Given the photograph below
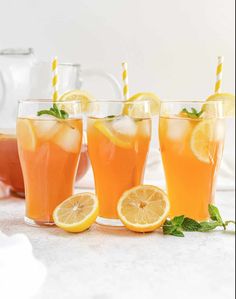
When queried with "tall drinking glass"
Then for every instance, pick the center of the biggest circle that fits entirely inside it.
(49, 150)
(191, 140)
(119, 135)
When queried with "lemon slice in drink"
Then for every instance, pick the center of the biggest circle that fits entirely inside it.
(105, 129)
(76, 95)
(143, 208)
(202, 136)
(26, 135)
(77, 213)
(138, 111)
(229, 102)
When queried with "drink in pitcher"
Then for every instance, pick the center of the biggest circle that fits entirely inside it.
(10, 169)
(118, 145)
(192, 140)
(49, 150)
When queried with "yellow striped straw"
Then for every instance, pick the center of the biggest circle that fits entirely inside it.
(55, 79)
(125, 81)
(219, 74)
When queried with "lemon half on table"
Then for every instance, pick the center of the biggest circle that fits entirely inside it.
(228, 100)
(143, 208)
(77, 213)
(76, 95)
(135, 106)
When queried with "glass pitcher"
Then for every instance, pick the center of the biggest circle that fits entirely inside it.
(19, 73)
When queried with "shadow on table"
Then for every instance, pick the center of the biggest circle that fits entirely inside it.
(11, 227)
(120, 232)
(95, 230)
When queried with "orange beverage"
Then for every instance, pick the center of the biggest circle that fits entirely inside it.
(10, 169)
(118, 148)
(49, 150)
(191, 151)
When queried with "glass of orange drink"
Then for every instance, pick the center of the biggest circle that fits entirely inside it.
(49, 148)
(191, 141)
(119, 135)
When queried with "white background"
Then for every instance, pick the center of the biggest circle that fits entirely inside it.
(171, 45)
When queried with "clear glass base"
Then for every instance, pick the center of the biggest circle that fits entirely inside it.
(36, 223)
(109, 222)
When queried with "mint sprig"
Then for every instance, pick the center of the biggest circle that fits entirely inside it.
(193, 113)
(178, 225)
(54, 111)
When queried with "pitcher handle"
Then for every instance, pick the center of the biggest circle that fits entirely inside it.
(91, 72)
(3, 86)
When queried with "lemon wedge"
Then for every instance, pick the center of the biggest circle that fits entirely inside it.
(229, 102)
(25, 134)
(76, 95)
(143, 208)
(202, 137)
(77, 213)
(138, 110)
(106, 130)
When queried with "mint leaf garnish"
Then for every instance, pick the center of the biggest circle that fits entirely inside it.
(55, 112)
(168, 227)
(190, 225)
(174, 227)
(178, 233)
(178, 221)
(178, 225)
(193, 113)
(215, 213)
(208, 226)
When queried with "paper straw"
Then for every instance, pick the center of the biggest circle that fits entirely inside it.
(219, 74)
(55, 79)
(125, 81)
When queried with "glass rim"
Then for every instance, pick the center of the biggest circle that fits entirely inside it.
(117, 101)
(48, 101)
(69, 64)
(190, 101)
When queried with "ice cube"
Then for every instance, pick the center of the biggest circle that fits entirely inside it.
(178, 128)
(46, 129)
(69, 139)
(125, 126)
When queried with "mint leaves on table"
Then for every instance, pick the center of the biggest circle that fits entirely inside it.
(193, 113)
(54, 111)
(178, 225)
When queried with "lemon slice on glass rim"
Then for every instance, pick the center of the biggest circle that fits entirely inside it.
(75, 95)
(143, 208)
(138, 110)
(228, 100)
(77, 213)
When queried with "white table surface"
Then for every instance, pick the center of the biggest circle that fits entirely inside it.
(112, 264)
